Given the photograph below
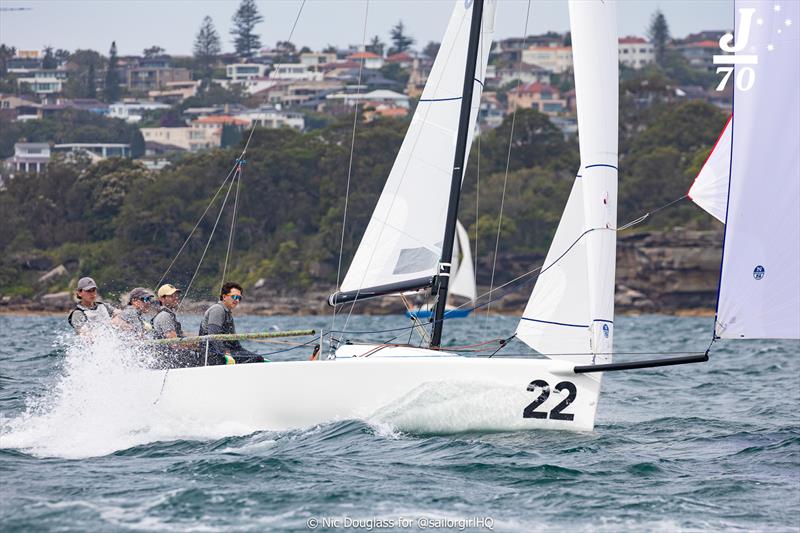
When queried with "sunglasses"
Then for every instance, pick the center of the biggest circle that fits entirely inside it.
(89, 290)
(146, 299)
(236, 297)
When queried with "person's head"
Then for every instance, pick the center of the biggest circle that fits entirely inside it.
(231, 295)
(86, 291)
(140, 298)
(169, 295)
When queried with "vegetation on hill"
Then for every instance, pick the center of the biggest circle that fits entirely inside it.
(123, 225)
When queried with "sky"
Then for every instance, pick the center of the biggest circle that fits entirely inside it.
(173, 24)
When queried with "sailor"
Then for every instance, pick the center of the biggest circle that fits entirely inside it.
(167, 326)
(219, 319)
(131, 318)
(88, 312)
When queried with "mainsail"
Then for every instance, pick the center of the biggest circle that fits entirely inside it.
(571, 310)
(402, 241)
(759, 291)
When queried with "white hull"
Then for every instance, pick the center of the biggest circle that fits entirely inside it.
(410, 389)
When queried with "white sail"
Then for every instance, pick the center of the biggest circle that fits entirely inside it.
(710, 187)
(557, 317)
(583, 321)
(403, 240)
(463, 280)
(759, 294)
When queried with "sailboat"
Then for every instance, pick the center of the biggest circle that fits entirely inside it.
(463, 284)
(408, 246)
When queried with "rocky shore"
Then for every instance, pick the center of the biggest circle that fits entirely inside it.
(674, 272)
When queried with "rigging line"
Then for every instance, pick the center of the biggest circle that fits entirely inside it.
(508, 162)
(404, 172)
(544, 269)
(200, 263)
(295, 21)
(237, 177)
(350, 164)
(649, 213)
(222, 186)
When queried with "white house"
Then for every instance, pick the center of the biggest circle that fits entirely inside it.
(132, 111)
(245, 71)
(382, 96)
(635, 52)
(556, 59)
(44, 81)
(30, 157)
(294, 72)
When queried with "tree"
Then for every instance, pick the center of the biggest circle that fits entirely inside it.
(111, 91)
(659, 35)
(402, 42)
(91, 90)
(153, 51)
(62, 55)
(376, 46)
(431, 49)
(245, 20)
(206, 46)
(6, 53)
(49, 60)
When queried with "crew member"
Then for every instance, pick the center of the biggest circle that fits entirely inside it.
(219, 319)
(88, 313)
(167, 326)
(131, 318)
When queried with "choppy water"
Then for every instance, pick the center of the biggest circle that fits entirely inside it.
(713, 446)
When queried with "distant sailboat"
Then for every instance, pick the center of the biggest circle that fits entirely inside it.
(463, 284)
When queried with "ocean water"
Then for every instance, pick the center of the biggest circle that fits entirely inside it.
(713, 446)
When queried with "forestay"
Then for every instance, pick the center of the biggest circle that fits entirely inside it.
(402, 241)
(710, 187)
(571, 310)
(759, 294)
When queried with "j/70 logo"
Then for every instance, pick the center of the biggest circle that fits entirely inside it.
(745, 76)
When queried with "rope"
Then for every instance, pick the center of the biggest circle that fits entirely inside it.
(237, 177)
(208, 243)
(164, 275)
(508, 163)
(350, 168)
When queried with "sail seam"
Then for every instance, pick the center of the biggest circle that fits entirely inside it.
(440, 99)
(601, 165)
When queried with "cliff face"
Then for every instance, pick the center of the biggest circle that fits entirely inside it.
(657, 272)
(668, 272)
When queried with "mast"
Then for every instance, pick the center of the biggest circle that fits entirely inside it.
(443, 276)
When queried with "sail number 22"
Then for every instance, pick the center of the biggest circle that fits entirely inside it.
(556, 413)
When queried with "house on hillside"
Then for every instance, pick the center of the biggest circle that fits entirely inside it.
(193, 138)
(556, 59)
(153, 78)
(294, 72)
(133, 110)
(16, 108)
(372, 61)
(636, 52)
(94, 151)
(29, 157)
(43, 81)
(544, 98)
(700, 54)
(245, 71)
(175, 92)
(391, 98)
(524, 73)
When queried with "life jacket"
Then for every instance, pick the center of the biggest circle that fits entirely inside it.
(164, 309)
(101, 314)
